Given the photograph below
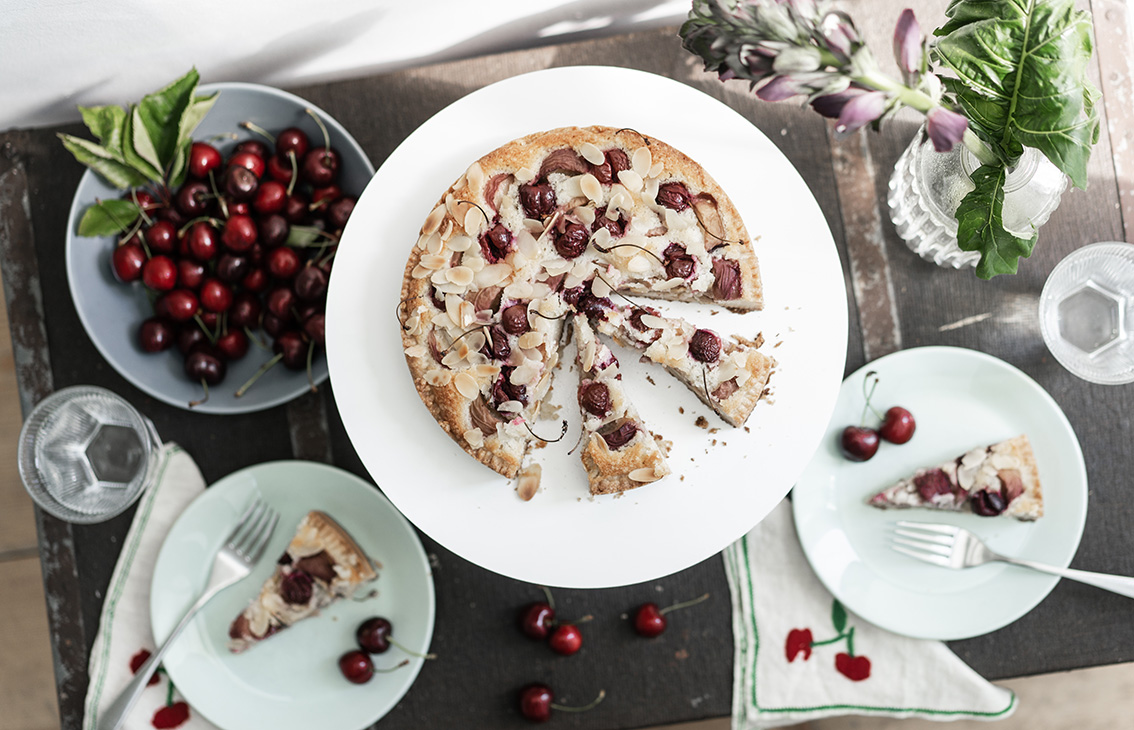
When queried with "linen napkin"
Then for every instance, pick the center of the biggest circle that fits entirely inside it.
(800, 656)
(125, 638)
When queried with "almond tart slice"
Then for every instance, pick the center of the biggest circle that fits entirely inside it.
(728, 375)
(996, 480)
(322, 564)
(619, 453)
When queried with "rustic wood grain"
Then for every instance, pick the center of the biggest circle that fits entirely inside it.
(1115, 51)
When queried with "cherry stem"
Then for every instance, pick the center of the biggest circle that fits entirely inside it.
(684, 604)
(195, 403)
(169, 695)
(204, 218)
(252, 336)
(219, 197)
(294, 171)
(141, 210)
(705, 380)
(398, 312)
(608, 249)
(872, 379)
(591, 705)
(256, 376)
(310, 357)
(562, 433)
(396, 667)
(205, 328)
(323, 129)
(409, 651)
(478, 328)
(257, 129)
(487, 220)
(545, 316)
(635, 131)
(548, 596)
(585, 619)
(724, 241)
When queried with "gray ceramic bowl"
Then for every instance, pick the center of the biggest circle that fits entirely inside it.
(111, 311)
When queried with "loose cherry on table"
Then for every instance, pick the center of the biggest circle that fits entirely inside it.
(860, 443)
(356, 666)
(898, 425)
(536, 620)
(650, 621)
(566, 639)
(537, 702)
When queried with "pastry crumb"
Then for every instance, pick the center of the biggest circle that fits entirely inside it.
(681, 409)
(714, 430)
(714, 442)
(681, 654)
(701, 422)
(682, 478)
(650, 380)
(528, 482)
(778, 343)
(747, 430)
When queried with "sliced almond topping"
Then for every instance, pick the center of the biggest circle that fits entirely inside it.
(585, 213)
(492, 275)
(474, 220)
(588, 359)
(677, 350)
(528, 483)
(438, 377)
(466, 385)
(461, 275)
(446, 229)
(649, 320)
(527, 244)
(457, 211)
(460, 242)
(434, 261)
(473, 260)
(420, 272)
(645, 473)
(433, 220)
(599, 287)
(591, 153)
(639, 264)
(533, 226)
(486, 372)
(440, 277)
(474, 342)
(523, 375)
(631, 179)
(451, 359)
(416, 350)
(435, 245)
(467, 313)
(570, 188)
(591, 187)
(524, 174)
(475, 176)
(453, 309)
(657, 169)
(602, 237)
(642, 161)
(518, 290)
(510, 406)
(530, 340)
(675, 221)
(668, 284)
(474, 437)
(477, 358)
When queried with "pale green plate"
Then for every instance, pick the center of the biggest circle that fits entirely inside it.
(291, 680)
(960, 399)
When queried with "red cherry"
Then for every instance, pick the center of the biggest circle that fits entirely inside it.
(190, 273)
(898, 426)
(233, 344)
(245, 311)
(649, 621)
(216, 296)
(537, 619)
(155, 335)
(127, 262)
(296, 209)
(279, 169)
(356, 666)
(255, 147)
(858, 443)
(239, 233)
(322, 197)
(203, 158)
(255, 280)
(161, 237)
(320, 166)
(249, 161)
(203, 241)
(373, 635)
(283, 262)
(271, 197)
(566, 639)
(160, 273)
(292, 139)
(535, 702)
(179, 305)
(143, 199)
(239, 207)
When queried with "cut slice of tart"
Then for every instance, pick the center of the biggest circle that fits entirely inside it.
(321, 565)
(619, 452)
(1000, 479)
(728, 375)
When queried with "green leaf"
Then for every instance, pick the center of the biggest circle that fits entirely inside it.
(106, 124)
(1021, 69)
(157, 118)
(305, 236)
(838, 616)
(193, 115)
(99, 159)
(980, 225)
(107, 217)
(132, 156)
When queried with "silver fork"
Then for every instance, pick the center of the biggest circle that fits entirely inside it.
(235, 560)
(955, 547)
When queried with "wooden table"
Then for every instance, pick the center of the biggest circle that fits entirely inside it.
(896, 300)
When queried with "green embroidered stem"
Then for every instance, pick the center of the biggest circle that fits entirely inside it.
(169, 694)
(850, 641)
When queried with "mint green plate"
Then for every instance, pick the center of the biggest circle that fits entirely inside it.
(291, 680)
(960, 399)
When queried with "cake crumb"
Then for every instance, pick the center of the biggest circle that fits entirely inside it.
(778, 343)
(528, 483)
(756, 342)
(681, 410)
(681, 654)
(714, 430)
(724, 443)
(701, 422)
(747, 430)
(683, 476)
(650, 380)
(714, 442)
(663, 443)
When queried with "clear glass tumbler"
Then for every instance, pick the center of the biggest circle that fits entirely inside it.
(86, 454)
(1086, 313)
(927, 186)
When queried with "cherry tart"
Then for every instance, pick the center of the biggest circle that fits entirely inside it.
(537, 231)
(322, 564)
(619, 452)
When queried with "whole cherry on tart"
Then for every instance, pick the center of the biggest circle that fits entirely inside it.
(897, 426)
(650, 621)
(537, 702)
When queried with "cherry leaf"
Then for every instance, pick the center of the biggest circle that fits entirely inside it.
(107, 217)
(106, 124)
(133, 158)
(103, 162)
(160, 115)
(838, 616)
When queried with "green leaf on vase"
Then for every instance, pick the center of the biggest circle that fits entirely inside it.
(107, 217)
(1021, 68)
(980, 225)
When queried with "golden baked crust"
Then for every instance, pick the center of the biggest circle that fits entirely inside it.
(633, 203)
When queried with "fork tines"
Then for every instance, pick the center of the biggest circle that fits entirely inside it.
(926, 541)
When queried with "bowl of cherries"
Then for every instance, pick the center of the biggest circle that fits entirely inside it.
(213, 298)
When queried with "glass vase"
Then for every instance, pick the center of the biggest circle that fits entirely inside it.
(927, 186)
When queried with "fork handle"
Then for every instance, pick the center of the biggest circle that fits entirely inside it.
(1119, 584)
(117, 711)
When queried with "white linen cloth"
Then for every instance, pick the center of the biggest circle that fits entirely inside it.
(800, 656)
(124, 627)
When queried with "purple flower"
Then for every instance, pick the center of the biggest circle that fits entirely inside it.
(860, 111)
(946, 128)
(907, 42)
(780, 88)
(831, 105)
